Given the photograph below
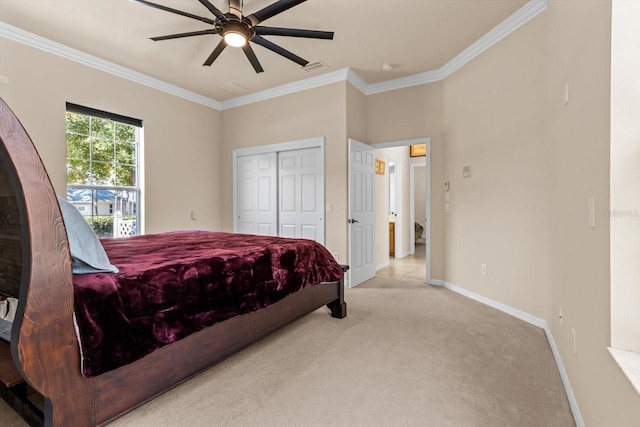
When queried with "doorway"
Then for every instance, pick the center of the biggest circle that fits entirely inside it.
(412, 251)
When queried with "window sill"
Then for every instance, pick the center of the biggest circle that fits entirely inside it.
(629, 362)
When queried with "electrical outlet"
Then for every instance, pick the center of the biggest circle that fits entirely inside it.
(336, 256)
(483, 269)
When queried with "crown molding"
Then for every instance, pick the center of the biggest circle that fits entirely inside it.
(403, 82)
(21, 36)
(523, 15)
(357, 82)
(286, 89)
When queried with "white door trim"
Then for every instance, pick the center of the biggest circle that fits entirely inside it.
(269, 148)
(412, 206)
(400, 223)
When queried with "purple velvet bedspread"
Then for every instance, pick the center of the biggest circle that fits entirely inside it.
(171, 285)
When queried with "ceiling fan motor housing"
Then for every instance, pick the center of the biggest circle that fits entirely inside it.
(233, 24)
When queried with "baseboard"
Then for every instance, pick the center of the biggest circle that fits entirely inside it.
(382, 265)
(565, 378)
(533, 320)
(495, 304)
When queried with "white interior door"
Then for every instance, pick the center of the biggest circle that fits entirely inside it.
(301, 194)
(257, 195)
(361, 213)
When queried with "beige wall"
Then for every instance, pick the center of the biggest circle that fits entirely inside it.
(382, 210)
(319, 112)
(356, 114)
(494, 121)
(182, 139)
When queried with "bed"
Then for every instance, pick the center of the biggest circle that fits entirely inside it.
(46, 355)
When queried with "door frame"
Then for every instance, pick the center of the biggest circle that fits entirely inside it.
(400, 224)
(412, 199)
(278, 147)
(403, 143)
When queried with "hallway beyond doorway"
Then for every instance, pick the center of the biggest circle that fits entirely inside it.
(407, 272)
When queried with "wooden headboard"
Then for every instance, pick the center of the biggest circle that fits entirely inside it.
(43, 334)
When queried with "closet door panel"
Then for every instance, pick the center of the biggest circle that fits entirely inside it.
(301, 212)
(257, 194)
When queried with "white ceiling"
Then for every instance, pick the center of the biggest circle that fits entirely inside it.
(414, 36)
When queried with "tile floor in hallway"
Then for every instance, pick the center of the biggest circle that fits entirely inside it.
(407, 272)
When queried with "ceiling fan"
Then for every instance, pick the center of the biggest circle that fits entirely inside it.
(238, 30)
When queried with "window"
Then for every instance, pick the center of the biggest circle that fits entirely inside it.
(103, 151)
(624, 216)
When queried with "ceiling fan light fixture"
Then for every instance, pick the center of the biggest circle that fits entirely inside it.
(235, 38)
(237, 29)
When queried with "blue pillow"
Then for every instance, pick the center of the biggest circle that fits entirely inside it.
(87, 253)
(7, 315)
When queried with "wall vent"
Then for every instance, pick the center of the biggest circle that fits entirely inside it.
(314, 66)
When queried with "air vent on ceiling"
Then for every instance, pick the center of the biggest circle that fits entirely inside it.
(314, 66)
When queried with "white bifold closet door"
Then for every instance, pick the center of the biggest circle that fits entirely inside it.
(257, 194)
(281, 194)
(300, 196)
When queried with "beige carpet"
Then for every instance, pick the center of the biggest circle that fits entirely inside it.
(422, 356)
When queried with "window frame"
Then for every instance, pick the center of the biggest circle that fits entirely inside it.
(136, 208)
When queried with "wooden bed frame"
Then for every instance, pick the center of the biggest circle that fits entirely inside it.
(35, 264)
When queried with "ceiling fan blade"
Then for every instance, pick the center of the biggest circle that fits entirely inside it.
(176, 11)
(294, 32)
(216, 52)
(251, 56)
(235, 8)
(279, 50)
(180, 35)
(272, 10)
(212, 9)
